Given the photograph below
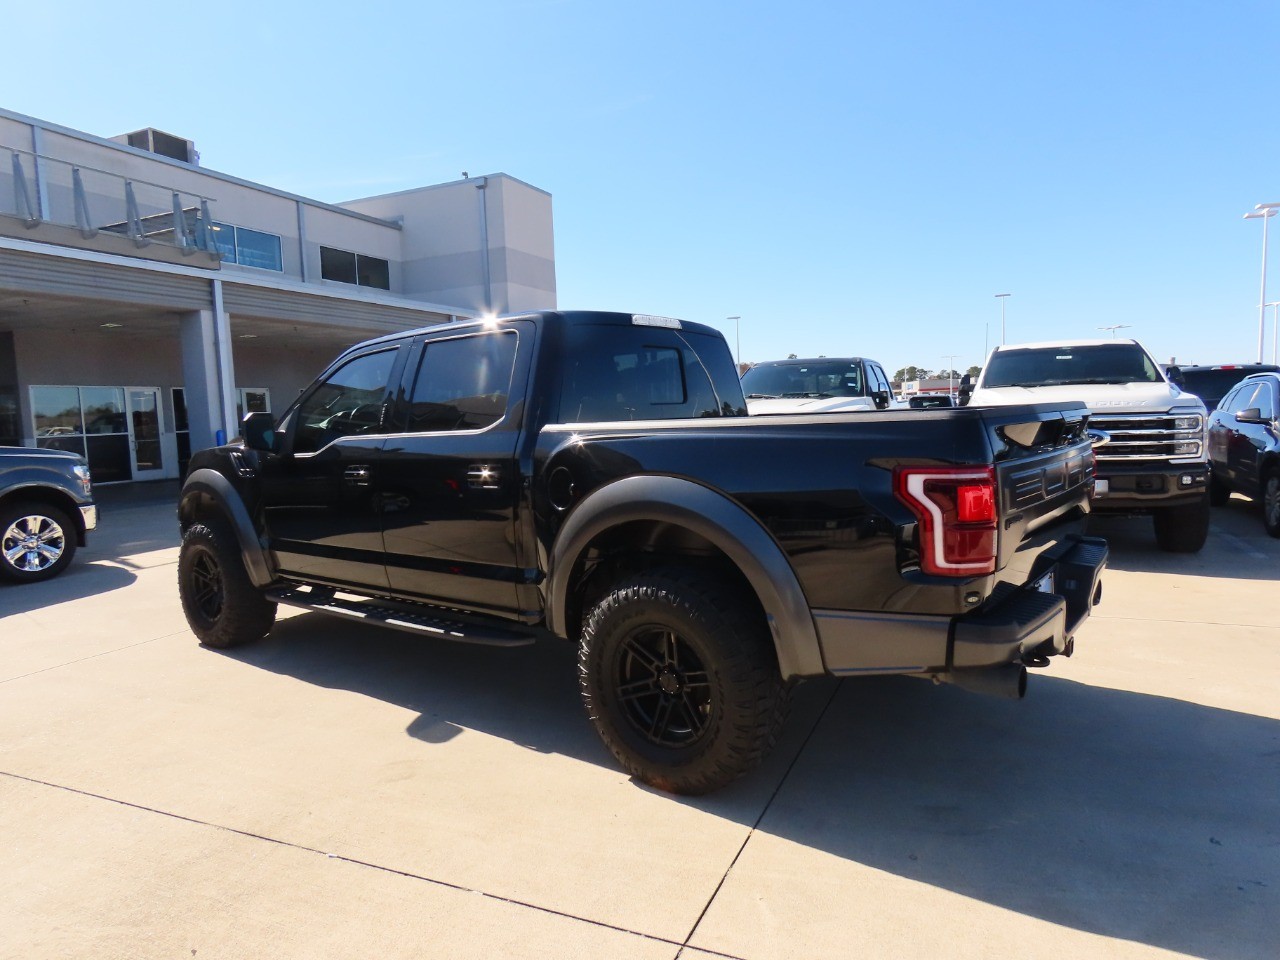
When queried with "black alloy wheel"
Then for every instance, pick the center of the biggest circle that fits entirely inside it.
(223, 607)
(679, 676)
(663, 687)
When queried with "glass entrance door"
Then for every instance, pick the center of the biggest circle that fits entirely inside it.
(147, 458)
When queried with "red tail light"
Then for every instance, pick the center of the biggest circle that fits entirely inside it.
(956, 509)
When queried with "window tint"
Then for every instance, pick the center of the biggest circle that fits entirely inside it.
(1264, 399)
(1244, 398)
(347, 267)
(1092, 363)
(251, 248)
(816, 378)
(1227, 403)
(1255, 395)
(348, 402)
(462, 383)
(621, 373)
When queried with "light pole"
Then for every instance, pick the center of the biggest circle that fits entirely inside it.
(737, 343)
(1275, 309)
(1002, 297)
(1264, 212)
(1116, 326)
(951, 374)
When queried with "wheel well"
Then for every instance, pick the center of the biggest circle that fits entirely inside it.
(195, 506)
(643, 545)
(52, 497)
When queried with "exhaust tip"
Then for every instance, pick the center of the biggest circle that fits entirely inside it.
(1008, 682)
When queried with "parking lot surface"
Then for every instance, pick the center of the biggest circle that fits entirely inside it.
(341, 790)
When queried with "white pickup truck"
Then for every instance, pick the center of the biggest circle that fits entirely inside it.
(821, 385)
(1149, 433)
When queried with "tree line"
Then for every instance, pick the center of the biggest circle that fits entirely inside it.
(924, 373)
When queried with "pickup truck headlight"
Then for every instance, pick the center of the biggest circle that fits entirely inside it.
(1187, 447)
(82, 473)
(1186, 423)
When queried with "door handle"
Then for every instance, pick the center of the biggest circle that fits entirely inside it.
(357, 475)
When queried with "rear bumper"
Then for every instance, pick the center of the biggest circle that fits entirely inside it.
(1026, 625)
(1030, 623)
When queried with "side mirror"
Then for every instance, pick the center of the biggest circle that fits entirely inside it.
(880, 398)
(966, 381)
(1175, 377)
(259, 430)
(1250, 415)
(966, 392)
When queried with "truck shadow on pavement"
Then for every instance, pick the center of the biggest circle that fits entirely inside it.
(81, 579)
(1117, 813)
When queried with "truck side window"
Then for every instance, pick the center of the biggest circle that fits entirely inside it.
(348, 402)
(462, 383)
(613, 374)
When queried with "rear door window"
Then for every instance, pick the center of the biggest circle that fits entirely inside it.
(642, 373)
(463, 383)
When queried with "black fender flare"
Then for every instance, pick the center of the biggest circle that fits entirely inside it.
(719, 520)
(212, 484)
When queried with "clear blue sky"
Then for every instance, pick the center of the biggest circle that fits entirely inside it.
(849, 178)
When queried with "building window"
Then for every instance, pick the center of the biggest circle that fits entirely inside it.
(89, 421)
(346, 267)
(249, 248)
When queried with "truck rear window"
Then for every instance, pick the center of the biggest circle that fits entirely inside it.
(646, 373)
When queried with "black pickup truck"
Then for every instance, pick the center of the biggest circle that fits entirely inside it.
(594, 477)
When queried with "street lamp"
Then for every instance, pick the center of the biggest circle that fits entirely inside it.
(1116, 326)
(1264, 212)
(1002, 297)
(737, 343)
(1275, 309)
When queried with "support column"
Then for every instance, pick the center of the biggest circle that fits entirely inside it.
(207, 375)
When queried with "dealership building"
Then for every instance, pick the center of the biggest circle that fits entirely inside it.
(148, 303)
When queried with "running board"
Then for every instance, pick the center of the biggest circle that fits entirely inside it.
(399, 616)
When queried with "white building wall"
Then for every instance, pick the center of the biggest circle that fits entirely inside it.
(443, 246)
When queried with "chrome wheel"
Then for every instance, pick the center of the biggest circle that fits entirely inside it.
(33, 543)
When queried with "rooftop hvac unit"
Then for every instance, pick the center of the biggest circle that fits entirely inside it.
(161, 143)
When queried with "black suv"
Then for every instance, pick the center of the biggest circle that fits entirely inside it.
(46, 507)
(1244, 447)
(1211, 383)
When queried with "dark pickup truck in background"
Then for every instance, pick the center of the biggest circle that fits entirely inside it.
(46, 508)
(594, 477)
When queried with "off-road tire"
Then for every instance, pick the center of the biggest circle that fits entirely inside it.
(51, 533)
(1219, 492)
(1183, 529)
(1271, 501)
(679, 676)
(223, 607)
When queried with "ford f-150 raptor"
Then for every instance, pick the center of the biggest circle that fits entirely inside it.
(594, 477)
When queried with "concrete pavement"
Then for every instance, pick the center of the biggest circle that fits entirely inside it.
(343, 791)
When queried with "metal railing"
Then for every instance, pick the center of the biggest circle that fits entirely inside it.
(45, 189)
